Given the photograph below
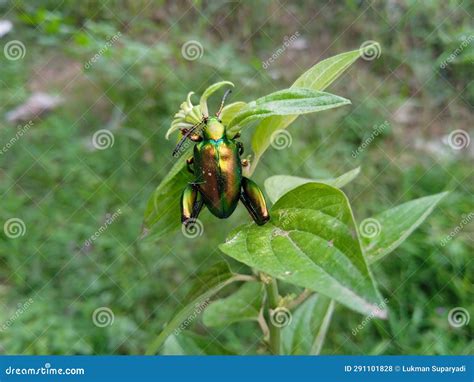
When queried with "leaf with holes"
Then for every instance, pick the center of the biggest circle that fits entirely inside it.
(311, 241)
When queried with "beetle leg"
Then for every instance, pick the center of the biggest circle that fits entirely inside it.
(193, 137)
(240, 146)
(252, 198)
(191, 203)
(189, 162)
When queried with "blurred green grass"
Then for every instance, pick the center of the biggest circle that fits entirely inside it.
(64, 191)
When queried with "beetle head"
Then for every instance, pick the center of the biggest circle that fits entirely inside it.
(213, 128)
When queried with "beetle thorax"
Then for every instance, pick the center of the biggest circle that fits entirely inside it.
(214, 129)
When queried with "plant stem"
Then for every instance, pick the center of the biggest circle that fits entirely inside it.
(272, 297)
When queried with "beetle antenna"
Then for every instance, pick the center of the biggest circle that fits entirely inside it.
(223, 101)
(185, 136)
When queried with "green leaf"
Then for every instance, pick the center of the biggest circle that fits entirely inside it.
(162, 211)
(293, 101)
(383, 233)
(410, 215)
(311, 241)
(318, 77)
(208, 92)
(243, 305)
(309, 323)
(278, 185)
(230, 111)
(188, 343)
(205, 285)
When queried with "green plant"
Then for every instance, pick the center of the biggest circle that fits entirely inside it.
(312, 240)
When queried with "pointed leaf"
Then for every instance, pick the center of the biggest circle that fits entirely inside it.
(319, 77)
(311, 241)
(208, 92)
(162, 211)
(309, 323)
(230, 111)
(383, 233)
(286, 102)
(205, 285)
(278, 185)
(243, 305)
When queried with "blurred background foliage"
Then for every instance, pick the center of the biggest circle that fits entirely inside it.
(64, 190)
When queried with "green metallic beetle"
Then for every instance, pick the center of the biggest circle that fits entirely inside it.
(217, 167)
